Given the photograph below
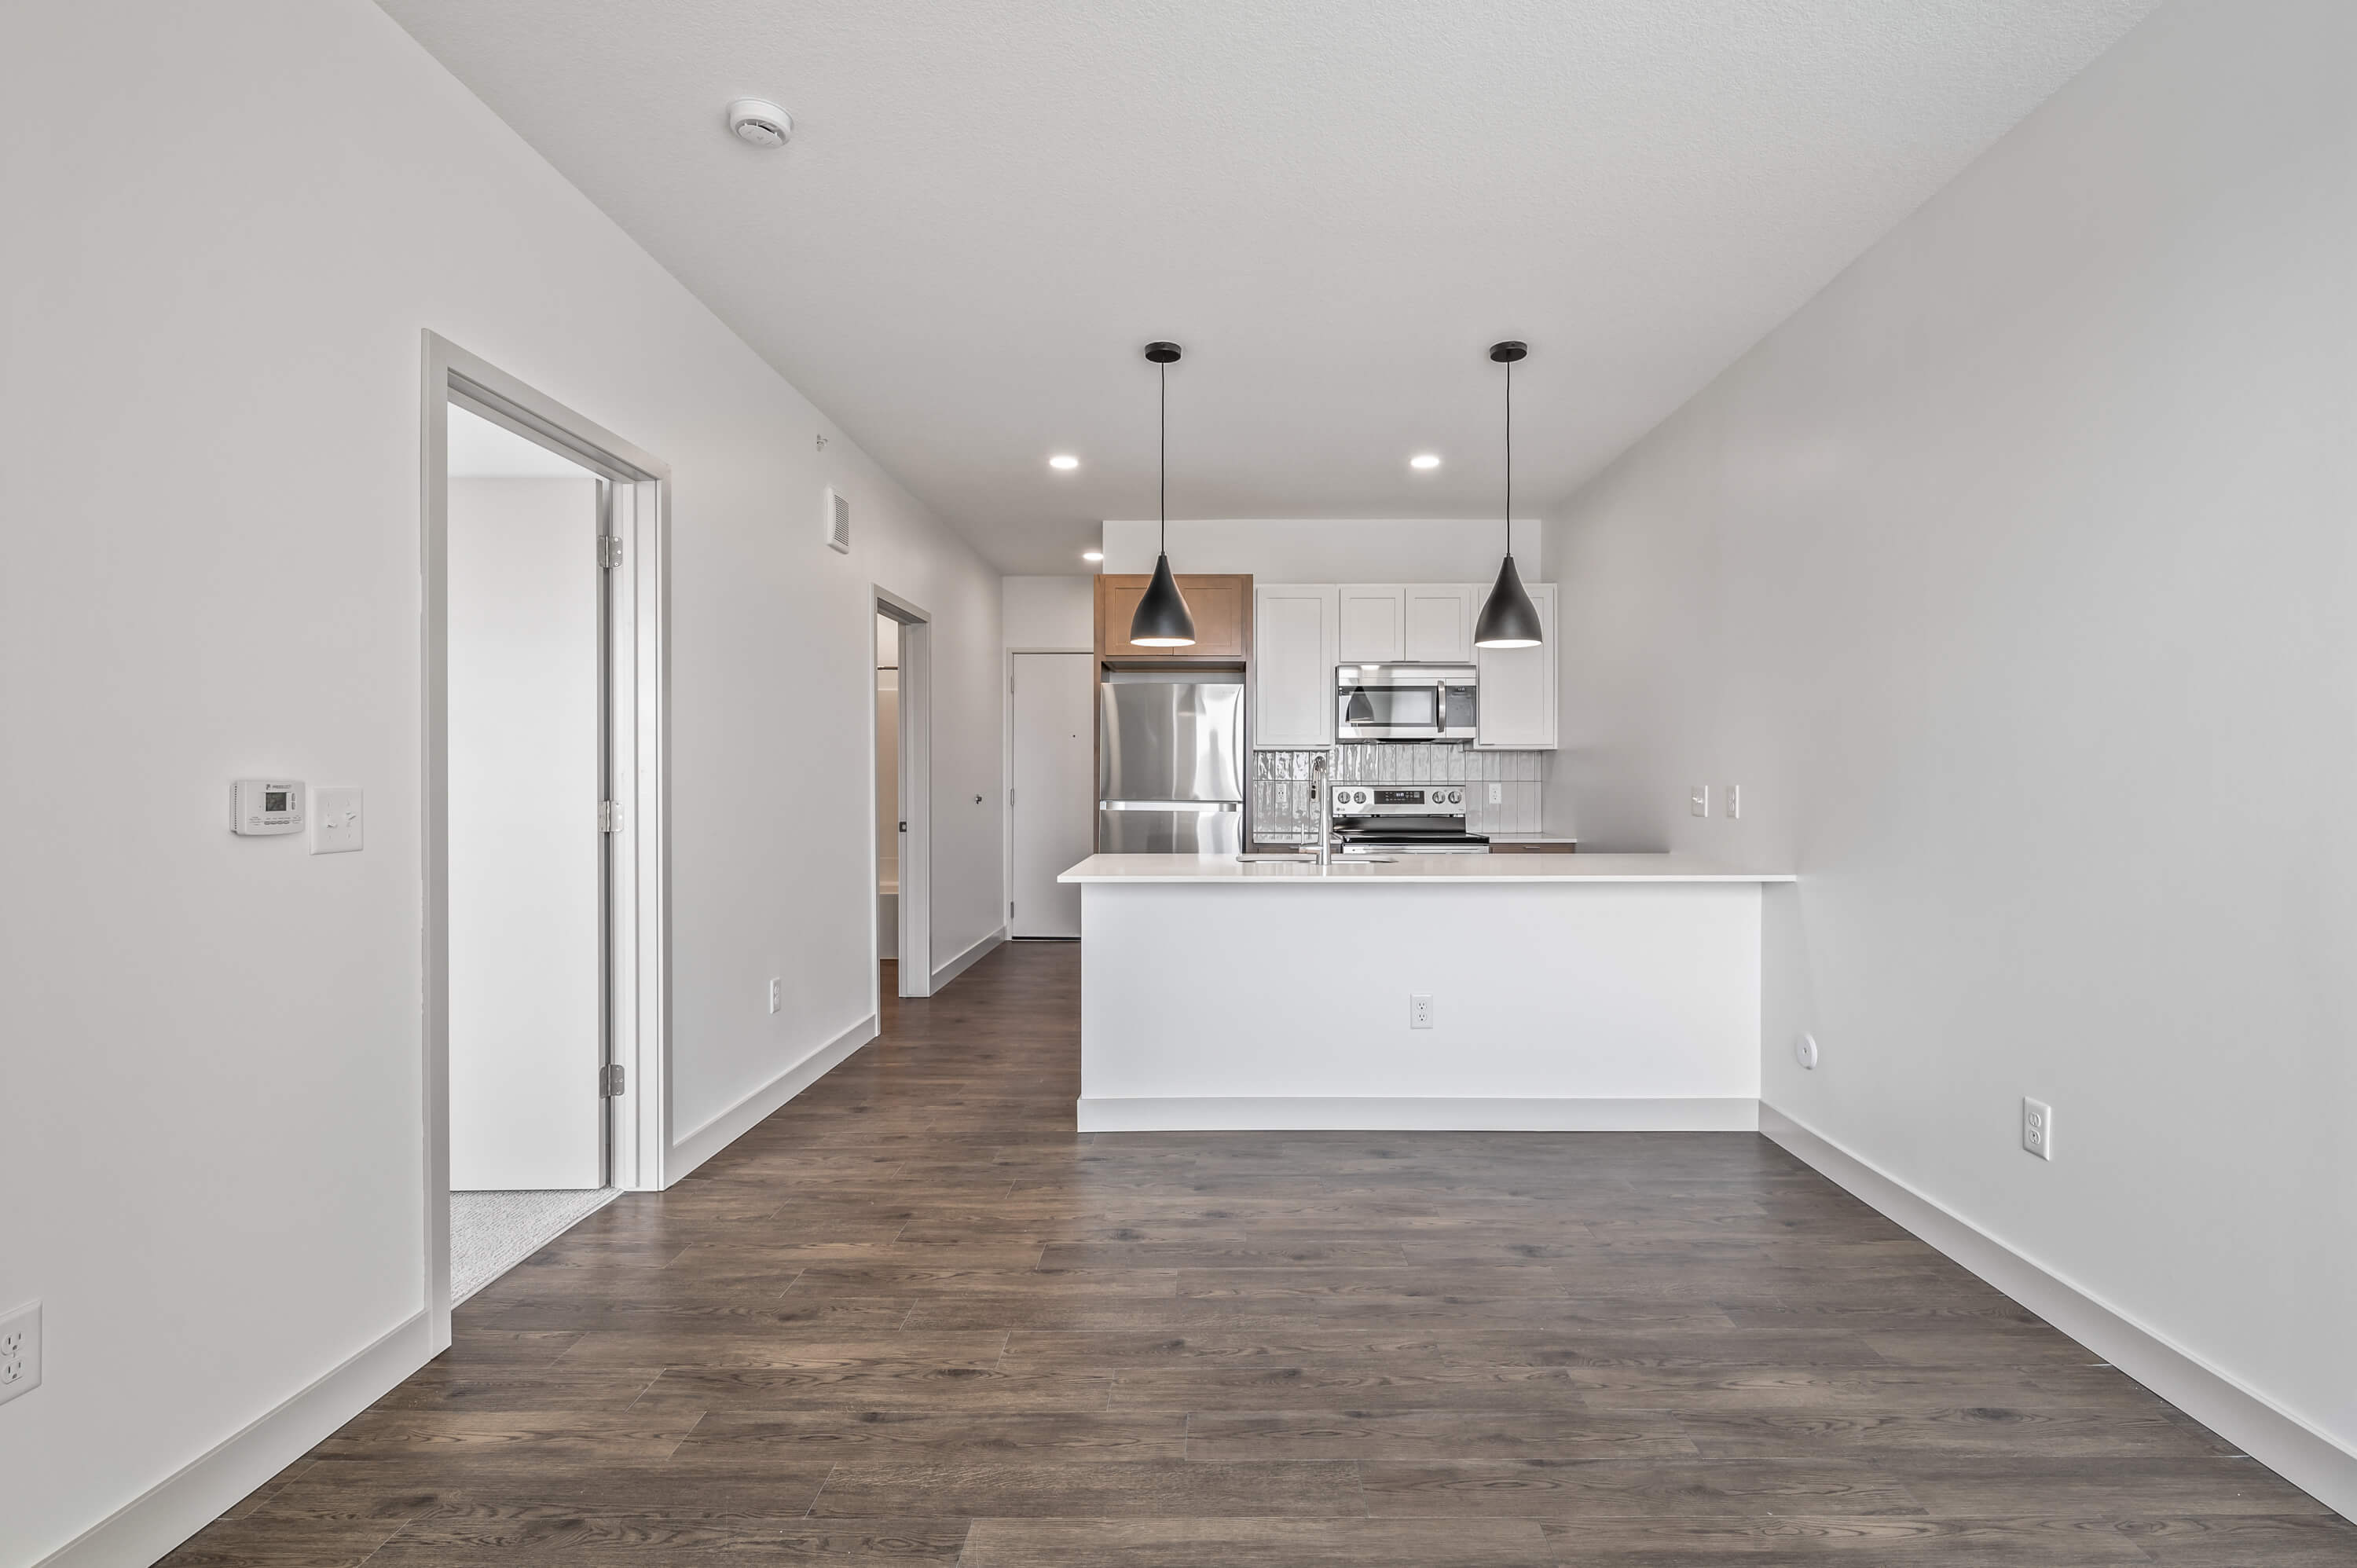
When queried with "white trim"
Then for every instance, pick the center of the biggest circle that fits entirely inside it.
(209, 1486)
(716, 1134)
(2286, 1442)
(967, 959)
(914, 961)
(1406, 1113)
(640, 1000)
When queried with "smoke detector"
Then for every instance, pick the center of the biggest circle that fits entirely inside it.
(759, 122)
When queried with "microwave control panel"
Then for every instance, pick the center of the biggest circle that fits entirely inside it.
(259, 807)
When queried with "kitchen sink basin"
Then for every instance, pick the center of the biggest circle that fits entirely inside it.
(1312, 860)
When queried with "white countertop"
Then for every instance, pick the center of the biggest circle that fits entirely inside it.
(1424, 868)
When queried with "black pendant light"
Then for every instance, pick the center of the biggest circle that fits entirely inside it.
(1509, 620)
(1162, 619)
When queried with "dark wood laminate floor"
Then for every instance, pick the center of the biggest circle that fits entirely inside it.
(914, 1319)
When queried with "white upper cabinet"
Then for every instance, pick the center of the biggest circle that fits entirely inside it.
(1372, 629)
(1518, 686)
(1437, 622)
(1293, 664)
(1301, 630)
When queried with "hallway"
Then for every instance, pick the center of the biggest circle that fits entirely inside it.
(914, 1319)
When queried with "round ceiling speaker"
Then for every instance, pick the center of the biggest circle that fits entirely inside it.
(759, 122)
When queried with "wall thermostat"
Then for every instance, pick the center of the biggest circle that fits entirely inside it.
(259, 806)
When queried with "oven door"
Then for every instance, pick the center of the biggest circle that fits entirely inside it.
(1379, 712)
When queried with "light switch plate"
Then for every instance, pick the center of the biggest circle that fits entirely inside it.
(1734, 801)
(1699, 801)
(337, 824)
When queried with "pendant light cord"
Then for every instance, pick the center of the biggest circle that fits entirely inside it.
(1162, 477)
(1510, 459)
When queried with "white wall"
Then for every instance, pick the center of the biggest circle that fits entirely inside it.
(213, 1044)
(1330, 550)
(2014, 579)
(1050, 612)
(526, 911)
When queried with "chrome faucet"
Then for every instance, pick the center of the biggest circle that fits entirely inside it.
(1319, 786)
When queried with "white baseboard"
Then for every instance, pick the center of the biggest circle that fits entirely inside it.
(715, 1135)
(1304, 1113)
(2279, 1439)
(200, 1491)
(966, 959)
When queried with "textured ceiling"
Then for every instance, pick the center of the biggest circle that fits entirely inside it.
(1335, 205)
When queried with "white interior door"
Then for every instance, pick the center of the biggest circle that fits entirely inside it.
(527, 852)
(1052, 822)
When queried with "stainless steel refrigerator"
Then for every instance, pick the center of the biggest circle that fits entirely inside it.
(1170, 762)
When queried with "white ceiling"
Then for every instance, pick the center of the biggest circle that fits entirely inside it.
(1335, 205)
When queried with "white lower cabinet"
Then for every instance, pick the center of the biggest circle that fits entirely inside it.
(1294, 627)
(1518, 711)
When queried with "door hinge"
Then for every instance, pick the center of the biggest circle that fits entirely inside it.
(1011, 908)
(609, 550)
(609, 1080)
(609, 816)
(1010, 797)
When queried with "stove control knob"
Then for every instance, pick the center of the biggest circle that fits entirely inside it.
(1456, 797)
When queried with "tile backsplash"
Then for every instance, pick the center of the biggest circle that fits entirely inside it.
(1283, 813)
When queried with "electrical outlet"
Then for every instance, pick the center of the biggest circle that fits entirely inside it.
(777, 993)
(20, 1351)
(1497, 794)
(1735, 799)
(2037, 1128)
(1419, 1010)
(1699, 801)
(1805, 1051)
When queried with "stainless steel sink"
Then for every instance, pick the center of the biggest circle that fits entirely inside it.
(1312, 860)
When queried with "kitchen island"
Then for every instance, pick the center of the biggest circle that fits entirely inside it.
(1560, 993)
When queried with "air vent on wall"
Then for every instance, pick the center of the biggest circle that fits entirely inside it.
(838, 522)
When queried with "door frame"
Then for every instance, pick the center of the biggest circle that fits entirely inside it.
(915, 964)
(1006, 779)
(637, 642)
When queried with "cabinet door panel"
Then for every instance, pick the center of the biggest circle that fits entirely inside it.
(1370, 628)
(1438, 624)
(1293, 665)
(1518, 710)
(1222, 606)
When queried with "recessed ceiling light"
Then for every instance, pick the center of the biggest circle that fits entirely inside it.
(1092, 554)
(1063, 460)
(1423, 460)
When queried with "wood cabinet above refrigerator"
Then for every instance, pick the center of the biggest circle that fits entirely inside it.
(1221, 605)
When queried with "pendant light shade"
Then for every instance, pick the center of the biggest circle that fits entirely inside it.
(1163, 620)
(1509, 620)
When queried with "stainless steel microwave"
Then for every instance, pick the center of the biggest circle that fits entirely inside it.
(1406, 701)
